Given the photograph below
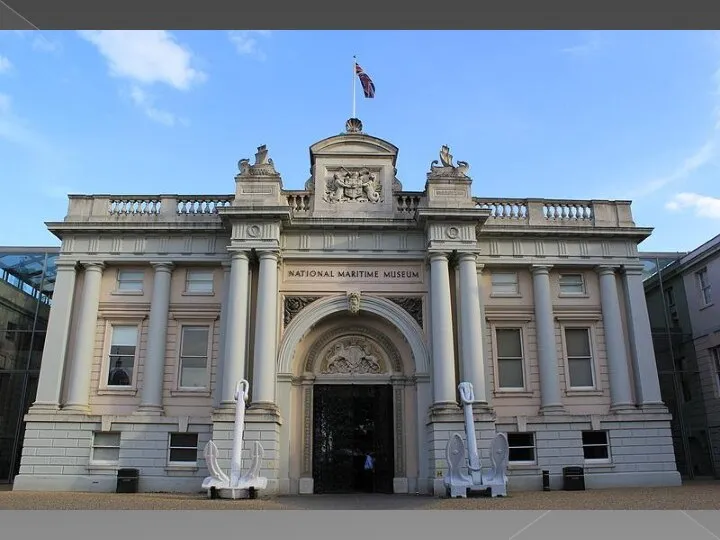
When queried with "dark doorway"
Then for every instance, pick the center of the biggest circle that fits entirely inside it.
(349, 422)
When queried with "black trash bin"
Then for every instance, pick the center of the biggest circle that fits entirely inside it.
(573, 479)
(127, 480)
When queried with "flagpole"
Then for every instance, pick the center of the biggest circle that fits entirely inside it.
(353, 84)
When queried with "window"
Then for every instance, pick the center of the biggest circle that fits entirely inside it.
(684, 378)
(121, 361)
(715, 353)
(194, 356)
(572, 284)
(705, 289)
(130, 280)
(11, 331)
(670, 296)
(105, 448)
(183, 448)
(596, 446)
(199, 281)
(522, 447)
(509, 359)
(579, 358)
(505, 283)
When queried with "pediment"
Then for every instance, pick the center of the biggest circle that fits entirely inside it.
(353, 145)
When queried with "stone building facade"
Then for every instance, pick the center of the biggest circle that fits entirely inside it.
(349, 296)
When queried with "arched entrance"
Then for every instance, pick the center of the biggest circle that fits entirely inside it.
(354, 386)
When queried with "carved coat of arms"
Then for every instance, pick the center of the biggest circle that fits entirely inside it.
(353, 186)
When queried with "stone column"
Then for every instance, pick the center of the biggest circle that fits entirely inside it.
(78, 394)
(473, 364)
(647, 384)
(264, 361)
(154, 365)
(235, 328)
(620, 389)
(223, 331)
(550, 400)
(443, 354)
(52, 366)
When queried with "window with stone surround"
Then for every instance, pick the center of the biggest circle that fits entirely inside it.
(715, 355)
(522, 447)
(199, 281)
(705, 288)
(509, 358)
(122, 355)
(194, 357)
(183, 449)
(596, 445)
(105, 448)
(130, 281)
(505, 284)
(579, 358)
(572, 284)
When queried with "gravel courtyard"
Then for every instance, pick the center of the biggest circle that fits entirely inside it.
(699, 495)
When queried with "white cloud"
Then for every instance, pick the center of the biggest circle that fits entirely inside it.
(146, 57)
(5, 64)
(145, 102)
(591, 45)
(703, 205)
(246, 43)
(4, 104)
(14, 129)
(40, 42)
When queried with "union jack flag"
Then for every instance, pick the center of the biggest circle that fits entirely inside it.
(367, 85)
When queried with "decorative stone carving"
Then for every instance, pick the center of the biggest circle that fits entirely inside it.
(446, 167)
(413, 305)
(352, 356)
(353, 185)
(294, 305)
(354, 302)
(353, 125)
(495, 479)
(263, 165)
(363, 335)
(452, 233)
(238, 485)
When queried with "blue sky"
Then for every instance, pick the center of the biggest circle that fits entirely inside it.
(554, 114)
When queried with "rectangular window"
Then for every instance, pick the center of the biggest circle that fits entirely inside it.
(199, 281)
(572, 284)
(194, 356)
(705, 289)
(579, 358)
(130, 280)
(11, 331)
(596, 446)
(670, 297)
(505, 283)
(105, 448)
(522, 447)
(715, 353)
(121, 362)
(183, 448)
(509, 358)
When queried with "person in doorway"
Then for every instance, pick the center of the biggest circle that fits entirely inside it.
(369, 471)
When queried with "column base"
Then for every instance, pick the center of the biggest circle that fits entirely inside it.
(655, 407)
(263, 407)
(482, 407)
(149, 410)
(444, 406)
(43, 407)
(552, 409)
(621, 408)
(76, 407)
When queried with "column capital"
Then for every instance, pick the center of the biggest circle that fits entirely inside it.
(240, 255)
(632, 269)
(162, 266)
(480, 267)
(95, 266)
(265, 254)
(467, 256)
(63, 265)
(540, 268)
(438, 256)
(606, 269)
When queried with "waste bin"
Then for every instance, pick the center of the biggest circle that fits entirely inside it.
(573, 479)
(127, 480)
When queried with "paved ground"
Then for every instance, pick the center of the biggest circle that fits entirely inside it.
(691, 496)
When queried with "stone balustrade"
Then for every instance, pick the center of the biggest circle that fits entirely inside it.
(504, 212)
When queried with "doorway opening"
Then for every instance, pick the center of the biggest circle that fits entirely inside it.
(353, 448)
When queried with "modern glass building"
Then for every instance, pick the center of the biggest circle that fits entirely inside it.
(27, 278)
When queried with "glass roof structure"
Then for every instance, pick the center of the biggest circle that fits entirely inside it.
(30, 269)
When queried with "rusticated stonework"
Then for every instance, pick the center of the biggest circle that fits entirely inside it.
(412, 304)
(294, 305)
